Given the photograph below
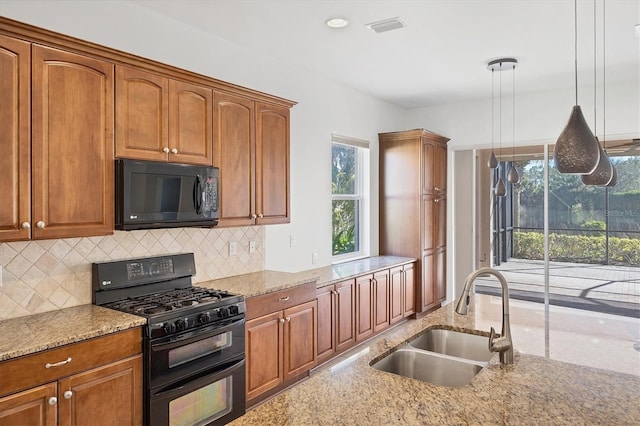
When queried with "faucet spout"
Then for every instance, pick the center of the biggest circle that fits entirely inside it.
(504, 343)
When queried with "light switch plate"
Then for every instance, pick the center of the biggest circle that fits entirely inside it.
(233, 248)
(314, 258)
(252, 246)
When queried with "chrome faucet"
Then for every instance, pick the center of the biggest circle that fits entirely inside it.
(502, 344)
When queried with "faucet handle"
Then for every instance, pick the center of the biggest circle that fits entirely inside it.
(498, 344)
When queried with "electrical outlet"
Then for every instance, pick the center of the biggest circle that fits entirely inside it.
(292, 241)
(314, 258)
(233, 248)
(252, 246)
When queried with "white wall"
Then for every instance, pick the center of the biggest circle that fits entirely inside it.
(323, 106)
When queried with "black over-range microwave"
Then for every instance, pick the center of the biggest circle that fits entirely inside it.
(152, 194)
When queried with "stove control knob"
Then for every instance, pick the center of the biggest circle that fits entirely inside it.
(223, 312)
(169, 328)
(182, 324)
(233, 310)
(204, 318)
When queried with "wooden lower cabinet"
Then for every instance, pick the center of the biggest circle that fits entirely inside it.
(108, 392)
(364, 307)
(336, 321)
(280, 346)
(30, 407)
(402, 282)
(381, 300)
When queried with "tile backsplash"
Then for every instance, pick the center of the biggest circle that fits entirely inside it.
(45, 275)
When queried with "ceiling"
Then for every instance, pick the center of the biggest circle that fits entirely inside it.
(441, 54)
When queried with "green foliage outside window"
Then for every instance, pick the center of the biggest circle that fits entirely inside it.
(345, 212)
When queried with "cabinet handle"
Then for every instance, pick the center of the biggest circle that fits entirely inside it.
(284, 299)
(281, 320)
(58, 364)
(437, 189)
(25, 225)
(165, 150)
(288, 319)
(174, 151)
(41, 224)
(260, 215)
(253, 216)
(437, 200)
(67, 394)
(335, 292)
(53, 400)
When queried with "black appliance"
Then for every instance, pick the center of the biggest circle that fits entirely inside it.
(152, 194)
(194, 347)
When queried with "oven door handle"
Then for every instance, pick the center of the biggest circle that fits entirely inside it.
(196, 335)
(192, 384)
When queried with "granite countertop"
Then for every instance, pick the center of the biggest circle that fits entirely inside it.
(34, 333)
(532, 391)
(263, 282)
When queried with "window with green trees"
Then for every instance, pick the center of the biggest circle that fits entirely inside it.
(347, 198)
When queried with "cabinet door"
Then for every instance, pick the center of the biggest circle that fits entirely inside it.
(108, 395)
(345, 315)
(364, 307)
(300, 342)
(190, 123)
(439, 227)
(428, 166)
(430, 209)
(264, 349)
(440, 275)
(272, 164)
(428, 297)
(381, 300)
(409, 274)
(142, 115)
(396, 295)
(72, 146)
(15, 139)
(326, 323)
(440, 167)
(30, 407)
(234, 154)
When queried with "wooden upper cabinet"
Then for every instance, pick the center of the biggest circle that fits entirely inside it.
(272, 164)
(440, 168)
(72, 144)
(15, 139)
(190, 123)
(162, 119)
(234, 154)
(142, 115)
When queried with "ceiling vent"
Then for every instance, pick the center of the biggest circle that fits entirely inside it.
(386, 25)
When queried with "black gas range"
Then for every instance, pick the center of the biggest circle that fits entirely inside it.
(194, 354)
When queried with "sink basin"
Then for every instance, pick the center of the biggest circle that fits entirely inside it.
(454, 343)
(428, 367)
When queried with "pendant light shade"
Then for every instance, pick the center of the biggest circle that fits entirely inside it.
(614, 178)
(576, 151)
(501, 189)
(603, 172)
(493, 161)
(513, 176)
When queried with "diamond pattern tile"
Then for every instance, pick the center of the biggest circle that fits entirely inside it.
(40, 276)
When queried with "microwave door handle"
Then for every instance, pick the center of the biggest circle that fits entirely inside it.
(197, 194)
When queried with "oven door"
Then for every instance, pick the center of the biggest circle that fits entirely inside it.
(173, 358)
(208, 398)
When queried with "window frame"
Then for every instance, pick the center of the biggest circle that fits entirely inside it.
(361, 194)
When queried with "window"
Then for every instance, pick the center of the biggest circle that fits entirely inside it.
(349, 204)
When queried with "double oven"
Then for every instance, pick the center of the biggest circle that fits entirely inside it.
(194, 347)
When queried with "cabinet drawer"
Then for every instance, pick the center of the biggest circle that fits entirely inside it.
(31, 370)
(279, 300)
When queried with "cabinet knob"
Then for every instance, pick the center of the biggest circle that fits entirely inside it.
(288, 319)
(260, 215)
(334, 292)
(53, 400)
(253, 216)
(437, 200)
(281, 320)
(67, 394)
(25, 225)
(165, 150)
(174, 151)
(40, 224)
(437, 189)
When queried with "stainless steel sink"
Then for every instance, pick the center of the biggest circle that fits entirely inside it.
(454, 343)
(429, 367)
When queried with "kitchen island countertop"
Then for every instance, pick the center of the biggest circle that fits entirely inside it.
(533, 391)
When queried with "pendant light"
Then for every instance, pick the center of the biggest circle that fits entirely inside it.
(499, 65)
(603, 174)
(513, 177)
(576, 151)
(493, 161)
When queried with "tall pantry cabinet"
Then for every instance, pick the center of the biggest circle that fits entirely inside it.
(413, 208)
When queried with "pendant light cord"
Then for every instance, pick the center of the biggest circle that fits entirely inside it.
(604, 79)
(500, 111)
(595, 87)
(575, 45)
(513, 145)
(492, 108)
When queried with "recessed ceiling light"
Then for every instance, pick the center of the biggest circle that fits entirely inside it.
(337, 23)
